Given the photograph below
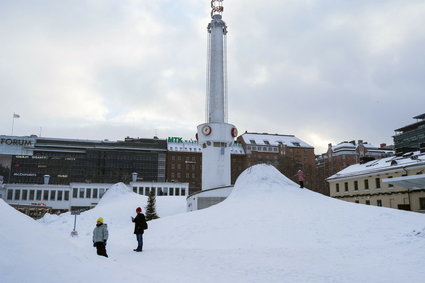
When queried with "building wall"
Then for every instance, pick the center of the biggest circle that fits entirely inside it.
(377, 191)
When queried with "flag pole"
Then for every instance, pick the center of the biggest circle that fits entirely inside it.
(13, 122)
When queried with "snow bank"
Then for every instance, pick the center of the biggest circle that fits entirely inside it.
(267, 230)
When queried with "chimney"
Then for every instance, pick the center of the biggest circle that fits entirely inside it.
(46, 179)
(134, 177)
(360, 141)
(383, 145)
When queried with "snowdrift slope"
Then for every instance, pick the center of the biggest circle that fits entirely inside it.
(268, 230)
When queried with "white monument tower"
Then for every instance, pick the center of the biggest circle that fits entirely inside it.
(216, 136)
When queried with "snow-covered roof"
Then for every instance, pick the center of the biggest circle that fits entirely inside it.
(383, 164)
(274, 140)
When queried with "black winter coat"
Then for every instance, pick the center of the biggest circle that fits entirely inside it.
(139, 223)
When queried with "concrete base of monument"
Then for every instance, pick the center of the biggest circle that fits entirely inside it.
(207, 198)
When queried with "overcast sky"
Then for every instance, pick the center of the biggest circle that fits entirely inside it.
(325, 71)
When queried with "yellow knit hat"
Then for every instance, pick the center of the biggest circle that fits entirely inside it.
(100, 219)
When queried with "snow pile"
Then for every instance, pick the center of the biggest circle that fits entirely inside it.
(268, 230)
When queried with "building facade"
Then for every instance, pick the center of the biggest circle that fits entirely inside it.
(28, 159)
(410, 137)
(344, 154)
(395, 182)
(37, 199)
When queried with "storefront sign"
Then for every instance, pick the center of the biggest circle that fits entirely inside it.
(10, 145)
(180, 140)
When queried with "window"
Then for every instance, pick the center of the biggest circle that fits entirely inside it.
(346, 186)
(81, 193)
(74, 192)
(88, 193)
(9, 194)
(183, 191)
(357, 201)
(53, 195)
(24, 194)
(66, 195)
(165, 191)
(177, 191)
(171, 191)
(378, 183)
(135, 190)
(356, 185)
(17, 194)
(60, 195)
(32, 194)
(95, 193)
(101, 192)
(45, 195)
(147, 189)
(140, 190)
(366, 184)
(337, 188)
(379, 202)
(422, 203)
(390, 185)
(368, 202)
(160, 192)
(266, 142)
(252, 141)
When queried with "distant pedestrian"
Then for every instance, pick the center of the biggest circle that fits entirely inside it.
(300, 176)
(140, 226)
(100, 236)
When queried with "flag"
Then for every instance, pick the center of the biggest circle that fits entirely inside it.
(16, 115)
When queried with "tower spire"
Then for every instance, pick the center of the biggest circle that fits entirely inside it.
(216, 136)
(216, 7)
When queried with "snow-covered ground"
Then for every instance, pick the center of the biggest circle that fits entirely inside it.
(268, 230)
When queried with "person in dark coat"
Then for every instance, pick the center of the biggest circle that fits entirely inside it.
(100, 236)
(139, 228)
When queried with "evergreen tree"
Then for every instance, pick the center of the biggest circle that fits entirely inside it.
(150, 207)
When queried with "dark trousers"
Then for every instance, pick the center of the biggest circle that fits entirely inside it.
(101, 249)
(139, 238)
(301, 184)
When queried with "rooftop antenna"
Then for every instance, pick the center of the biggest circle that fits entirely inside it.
(216, 7)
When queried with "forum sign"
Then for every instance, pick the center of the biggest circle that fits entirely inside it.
(10, 145)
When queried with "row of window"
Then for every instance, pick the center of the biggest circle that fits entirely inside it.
(378, 202)
(88, 193)
(179, 166)
(84, 193)
(159, 191)
(38, 195)
(355, 185)
(264, 148)
(179, 175)
(180, 158)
